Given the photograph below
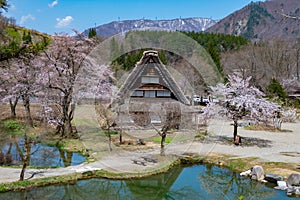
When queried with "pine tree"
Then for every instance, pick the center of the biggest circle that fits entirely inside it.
(92, 33)
(275, 90)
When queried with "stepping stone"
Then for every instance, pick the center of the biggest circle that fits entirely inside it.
(273, 178)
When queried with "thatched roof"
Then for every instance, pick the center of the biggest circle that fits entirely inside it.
(150, 62)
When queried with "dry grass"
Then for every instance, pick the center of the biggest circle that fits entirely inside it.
(35, 109)
(264, 128)
(243, 164)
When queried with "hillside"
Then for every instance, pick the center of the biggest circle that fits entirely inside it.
(14, 41)
(262, 21)
(187, 24)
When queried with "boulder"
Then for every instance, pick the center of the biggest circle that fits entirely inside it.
(257, 173)
(293, 180)
(293, 191)
(281, 185)
(245, 173)
(273, 178)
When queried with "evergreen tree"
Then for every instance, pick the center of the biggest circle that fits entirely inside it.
(276, 91)
(27, 38)
(92, 33)
(214, 44)
(3, 5)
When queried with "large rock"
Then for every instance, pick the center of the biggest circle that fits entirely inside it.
(293, 180)
(293, 184)
(293, 191)
(273, 178)
(281, 185)
(257, 173)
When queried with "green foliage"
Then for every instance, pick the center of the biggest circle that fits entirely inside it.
(107, 133)
(257, 16)
(12, 125)
(276, 91)
(158, 139)
(241, 197)
(3, 5)
(214, 44)
(27, 37)
(92, 33)
(296, 103)
(127, 61)
(19, 41)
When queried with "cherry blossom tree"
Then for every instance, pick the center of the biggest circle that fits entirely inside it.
(20, 77)
(22, 82)
(239, 100)
(6, 93)
(63, 61)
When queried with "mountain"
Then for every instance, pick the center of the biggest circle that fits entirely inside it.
(263, 21)
(187, 24)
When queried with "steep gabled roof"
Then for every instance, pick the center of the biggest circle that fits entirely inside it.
(151, 61)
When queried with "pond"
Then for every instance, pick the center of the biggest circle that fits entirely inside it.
(182, 182)
(41, 154)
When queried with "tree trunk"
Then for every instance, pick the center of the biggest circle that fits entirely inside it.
(13, 105)
(26, 103)
(120, 137)
(109, 141)
(67, 119)
(26, 159)
(23, 171)
(235, 127)
(68, 128)
(162, 143)
(297, 63)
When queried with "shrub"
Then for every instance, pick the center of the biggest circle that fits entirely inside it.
(12, 125)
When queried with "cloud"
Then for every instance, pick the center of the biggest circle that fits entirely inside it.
(12, 7)
(26, 18)
(64, 22)
(54, 3)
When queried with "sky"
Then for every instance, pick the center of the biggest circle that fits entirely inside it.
(57, 16)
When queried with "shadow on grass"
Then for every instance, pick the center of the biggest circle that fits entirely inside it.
(246, 141)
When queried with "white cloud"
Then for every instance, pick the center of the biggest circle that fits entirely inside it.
(64, 22)
(12, 7)
(26, 18)
(54, 3)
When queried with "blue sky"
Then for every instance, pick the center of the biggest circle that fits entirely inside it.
(51, 16)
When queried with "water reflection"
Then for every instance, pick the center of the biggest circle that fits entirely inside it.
(196, 182)
(41, 155)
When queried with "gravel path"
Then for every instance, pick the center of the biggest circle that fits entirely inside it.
(269, 146)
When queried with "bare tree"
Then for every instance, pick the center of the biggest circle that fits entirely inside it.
(262, 61)
(168, 113)
(171, 120)
(107, 121)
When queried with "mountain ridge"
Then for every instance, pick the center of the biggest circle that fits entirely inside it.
(196, 24)
(262, 21)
